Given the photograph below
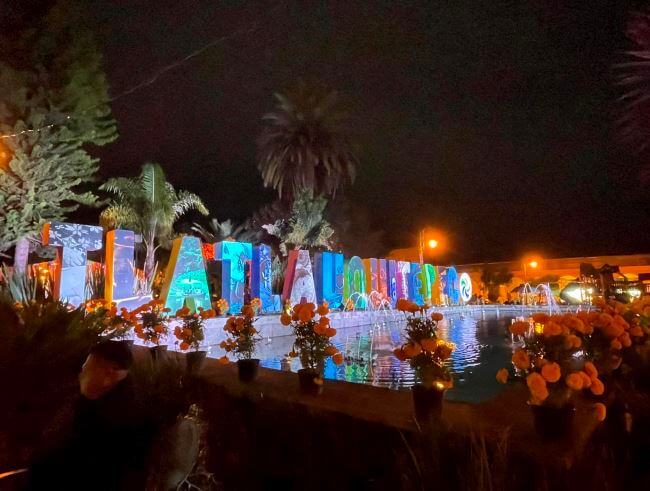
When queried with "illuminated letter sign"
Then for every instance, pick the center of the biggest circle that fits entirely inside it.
(355, 283)
(185, 276)
(329, 268)
(416, 283)
(372, 275)
(382, 278)
(465, 287)
(403, 272)
(391, 280)
(261, 281)
(450, 287)
(120, 280)
(234, 256)
(428, 281)
(298, 278)
(76, 240)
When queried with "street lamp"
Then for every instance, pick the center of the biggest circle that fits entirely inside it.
(529, 264)
(431, 243)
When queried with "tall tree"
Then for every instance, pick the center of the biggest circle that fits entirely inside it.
(54, 86)
(304, 145)
(148, 205)
(218, 231)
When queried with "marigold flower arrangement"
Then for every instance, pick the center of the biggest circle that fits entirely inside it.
(554, 361)
(190, 333)
(312, 335)
(107, 319)
(256, 304)
(221, 306)
(152, 322)
(424, 350)
(242, 335)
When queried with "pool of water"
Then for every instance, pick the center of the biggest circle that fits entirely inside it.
(482, 347)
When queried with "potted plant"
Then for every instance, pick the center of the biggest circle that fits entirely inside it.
(113, 325)
(312, 343)
(556, 367)
(427, 354)
(152, 325)
(190, 334)
(241, 340)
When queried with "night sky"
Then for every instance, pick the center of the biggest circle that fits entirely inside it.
(490, 119)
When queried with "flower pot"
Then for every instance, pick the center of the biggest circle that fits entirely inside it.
(247, 369)
(194, 361)
(553, 423)
(158, 352)
(308, 381)
(427, 402)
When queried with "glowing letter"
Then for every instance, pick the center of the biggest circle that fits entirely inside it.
(185, 276)
(119, 261)
(76, 241)
(261, 284)
(403, 272)
(428, 281)
(449, 285)
(372, 275)
(328, 271)
(234, 256)
(298, 278)
(465, 287)
(355, 283)
(392, 281)
(416, 282)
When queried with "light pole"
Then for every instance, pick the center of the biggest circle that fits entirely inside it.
(432, 243)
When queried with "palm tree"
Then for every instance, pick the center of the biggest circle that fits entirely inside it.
(218, 231)
(148, 205)
(304, 145)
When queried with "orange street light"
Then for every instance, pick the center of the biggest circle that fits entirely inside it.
(433, 244)
(532, 263)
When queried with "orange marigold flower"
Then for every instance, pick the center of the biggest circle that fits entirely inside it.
(330, 332)
(429, 344)
(320, 329)
(616, 344)
(574, 323)
(636, 331)
(586, 380)
(402, 304)
(185, 345)
(436, 316)
(552, 329)
(305, 315)
(537, 386)
(519, 328)
(597, 387)
(521, 360)
(572, 341)
(223, 360)
(331, 350)
(158, 328)
(574, 381)
(323, 309)
(443, 351)
(601, 411)
(247, 311)
(413, 308)
(337, 358)
(541, 317)
(285, 319)
(502, 376)
(400, 354)
(551, 372)
(324, 321)
(590, 369)
(625, 340)
(154, 339)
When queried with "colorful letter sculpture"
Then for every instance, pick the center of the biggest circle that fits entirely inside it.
(372, 275)
(75, 242)
(234, 257)
(185, 277)
(403, 273)
(428, 282)
(416, 283)
(392, 281)
(261, 280)
(298, 279)
(449, 285)
(328, 272)
(120, 255)
(465, 287)
(355, 283)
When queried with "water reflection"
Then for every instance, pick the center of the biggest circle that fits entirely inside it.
(482, 347)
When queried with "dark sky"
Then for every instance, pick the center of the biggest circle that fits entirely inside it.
(490, 119)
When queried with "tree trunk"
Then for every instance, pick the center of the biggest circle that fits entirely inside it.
(21, 255)
(149, 262)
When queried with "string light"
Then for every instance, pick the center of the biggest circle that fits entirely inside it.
(146, 82)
